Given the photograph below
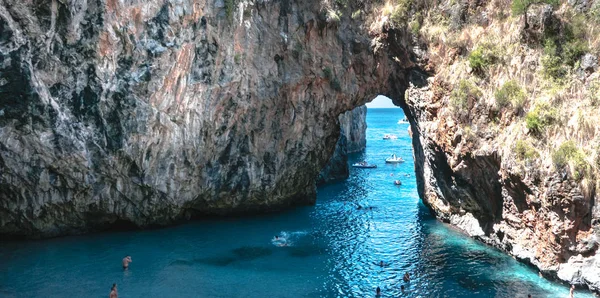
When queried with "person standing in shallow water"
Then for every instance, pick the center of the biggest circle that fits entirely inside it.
(113, 292)
(572, 291)
(406, 277)
(126, 261)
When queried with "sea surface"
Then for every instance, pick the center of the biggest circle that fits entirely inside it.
(332, 249)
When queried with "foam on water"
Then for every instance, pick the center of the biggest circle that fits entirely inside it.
(334, 249)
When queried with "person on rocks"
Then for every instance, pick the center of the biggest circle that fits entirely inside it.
(113, 292)
(126, 261)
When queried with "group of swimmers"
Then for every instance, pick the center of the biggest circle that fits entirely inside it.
(113, 290)
(406, 278)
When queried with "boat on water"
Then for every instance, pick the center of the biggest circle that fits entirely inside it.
(403, 120)
(394, 159)
(364, 165)
(389, 137)
(397, 182)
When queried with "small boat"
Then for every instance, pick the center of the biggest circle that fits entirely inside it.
(397, 182)
(394, 159)
(364, 165)
(404, 120)
(389, 137)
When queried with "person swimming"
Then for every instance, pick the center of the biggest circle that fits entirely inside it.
(381, 264)
(113, 292)
(378, 292)
(406, 277)
(402, 288)
(280, 241)
(126, 261)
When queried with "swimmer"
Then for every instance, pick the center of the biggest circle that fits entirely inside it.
(381, 264)
(113, 292)
(126, 261)
(528, 295)
(378, 292)
(402, 288)
(359, 207)
(406, 277)
(392, 174)
(571, 291)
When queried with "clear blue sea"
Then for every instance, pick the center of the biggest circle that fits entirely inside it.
(333, 248)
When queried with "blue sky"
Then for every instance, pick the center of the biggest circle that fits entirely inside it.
(381, 102)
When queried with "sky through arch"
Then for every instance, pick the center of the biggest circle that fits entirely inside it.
(381, 102)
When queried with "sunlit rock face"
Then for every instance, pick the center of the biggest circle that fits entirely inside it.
(151, 112)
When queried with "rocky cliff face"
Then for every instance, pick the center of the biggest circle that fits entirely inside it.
(150, 112)
(504, 136)
(146, 113)
(353, 138)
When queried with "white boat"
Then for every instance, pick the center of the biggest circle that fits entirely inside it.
(403, 120)
(364, 165)
(394, 159)
(389, 137)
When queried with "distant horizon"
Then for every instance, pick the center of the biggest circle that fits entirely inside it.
(381, 102)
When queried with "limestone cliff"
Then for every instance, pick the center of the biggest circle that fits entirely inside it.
(353, 129)
(151, 112)
(505, 131)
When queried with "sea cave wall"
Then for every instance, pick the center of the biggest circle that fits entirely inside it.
(147, 113)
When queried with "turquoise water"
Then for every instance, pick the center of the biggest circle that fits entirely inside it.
(334, 249)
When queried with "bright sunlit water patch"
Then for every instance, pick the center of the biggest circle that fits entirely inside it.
(333, 249)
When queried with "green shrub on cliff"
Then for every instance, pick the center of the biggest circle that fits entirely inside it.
(230, 7)
(519, 7)
(568, 153)
(564, 48)
(510, 93)
(327, 73)
(400, 12)
(336, 85)
(540, 118)
(524, 151)
(465, 91)
(415, 26)
(483, 57)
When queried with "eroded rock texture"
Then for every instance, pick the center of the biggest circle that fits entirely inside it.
(149, 112)
(353, 130)
(541, 217)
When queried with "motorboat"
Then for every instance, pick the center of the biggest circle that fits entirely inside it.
(397, 182)
(364, 165)
(403, 120)
(389, 137)
(394, 159)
